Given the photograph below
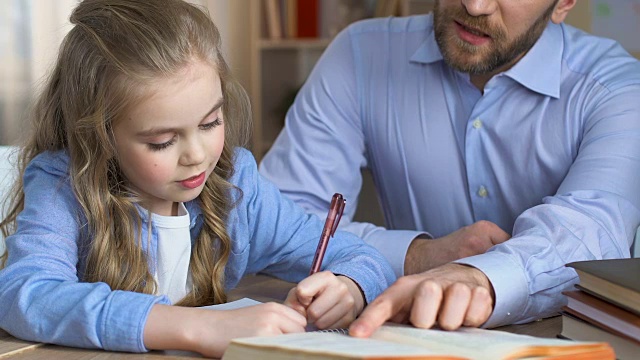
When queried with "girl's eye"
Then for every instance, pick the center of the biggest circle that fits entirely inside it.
(211, 125)
(159, 147)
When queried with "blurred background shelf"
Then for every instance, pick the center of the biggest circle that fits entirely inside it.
(302, 44)
(284, 49)
(282, 54)
(271, 69)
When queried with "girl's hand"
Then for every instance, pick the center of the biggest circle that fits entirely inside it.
(209, 332)
(326, 300)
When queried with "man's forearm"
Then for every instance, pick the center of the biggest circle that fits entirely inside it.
(418, 256)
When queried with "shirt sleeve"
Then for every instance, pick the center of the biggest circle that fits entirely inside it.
(326, 111)
(593, 215)
(41, 297)
(283, 237)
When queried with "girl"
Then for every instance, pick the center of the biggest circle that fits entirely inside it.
(134, 196)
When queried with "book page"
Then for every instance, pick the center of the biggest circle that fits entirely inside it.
(400, 341)
(470, 342)
(329, 343)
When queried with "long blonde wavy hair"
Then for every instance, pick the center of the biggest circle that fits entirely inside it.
(115, 48)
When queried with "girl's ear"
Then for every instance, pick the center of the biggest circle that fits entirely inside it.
(561, 10)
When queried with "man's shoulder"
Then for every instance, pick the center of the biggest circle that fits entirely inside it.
(416, 24)
(601, 59)
(388, 39)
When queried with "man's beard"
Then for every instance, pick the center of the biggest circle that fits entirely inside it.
(456, 52)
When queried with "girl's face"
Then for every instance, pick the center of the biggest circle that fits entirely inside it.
(169, 144)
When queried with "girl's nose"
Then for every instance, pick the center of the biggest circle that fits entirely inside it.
(193, 154)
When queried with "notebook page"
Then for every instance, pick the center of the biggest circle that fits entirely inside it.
(232, 305)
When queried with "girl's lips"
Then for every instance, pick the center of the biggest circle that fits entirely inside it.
(193, 182)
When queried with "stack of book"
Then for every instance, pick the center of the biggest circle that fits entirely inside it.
(606, 305)
(323, 19)
(292, 18)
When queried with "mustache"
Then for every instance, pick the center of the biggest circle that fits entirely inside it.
(480, 23)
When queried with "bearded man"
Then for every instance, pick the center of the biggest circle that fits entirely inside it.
(503, 144)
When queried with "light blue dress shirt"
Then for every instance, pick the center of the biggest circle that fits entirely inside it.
(550, 151)
(43, 298)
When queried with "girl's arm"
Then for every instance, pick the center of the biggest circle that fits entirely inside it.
(209, 332)
(41, 296)
(275, 236)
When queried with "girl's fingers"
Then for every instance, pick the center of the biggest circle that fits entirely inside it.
(286, 326)
(310, 287)
(336, 296)
(285, 312)
(293, 303)
(340, 315)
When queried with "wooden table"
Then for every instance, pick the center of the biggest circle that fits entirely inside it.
(261, 288)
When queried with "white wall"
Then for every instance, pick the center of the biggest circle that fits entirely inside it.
(232, 19)
(24, 65)
(8, 173)
(48, 24)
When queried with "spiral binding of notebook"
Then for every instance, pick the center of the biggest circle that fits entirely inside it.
(342, 331)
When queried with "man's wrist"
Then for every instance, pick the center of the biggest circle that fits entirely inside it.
(417, 255)
(479, 278)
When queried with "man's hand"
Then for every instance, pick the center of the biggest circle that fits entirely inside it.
(452, 295)
(477, 238)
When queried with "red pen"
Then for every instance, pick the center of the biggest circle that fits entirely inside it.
(330, 225)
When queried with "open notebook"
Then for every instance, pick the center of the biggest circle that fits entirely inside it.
(232, 305)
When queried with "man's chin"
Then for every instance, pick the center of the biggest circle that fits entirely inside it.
(472, 67)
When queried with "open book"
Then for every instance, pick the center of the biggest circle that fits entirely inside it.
(405, 342)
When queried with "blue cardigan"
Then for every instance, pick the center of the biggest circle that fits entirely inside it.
(42, 298)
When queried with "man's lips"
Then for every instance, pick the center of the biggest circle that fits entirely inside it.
(472, 29)
(193, 182)
(470, 34)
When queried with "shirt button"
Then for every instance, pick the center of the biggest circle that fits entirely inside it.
(482, 192)
(477, 123)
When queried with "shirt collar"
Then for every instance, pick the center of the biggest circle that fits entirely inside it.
(539, 70)
(428, 52)
(193, 207)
